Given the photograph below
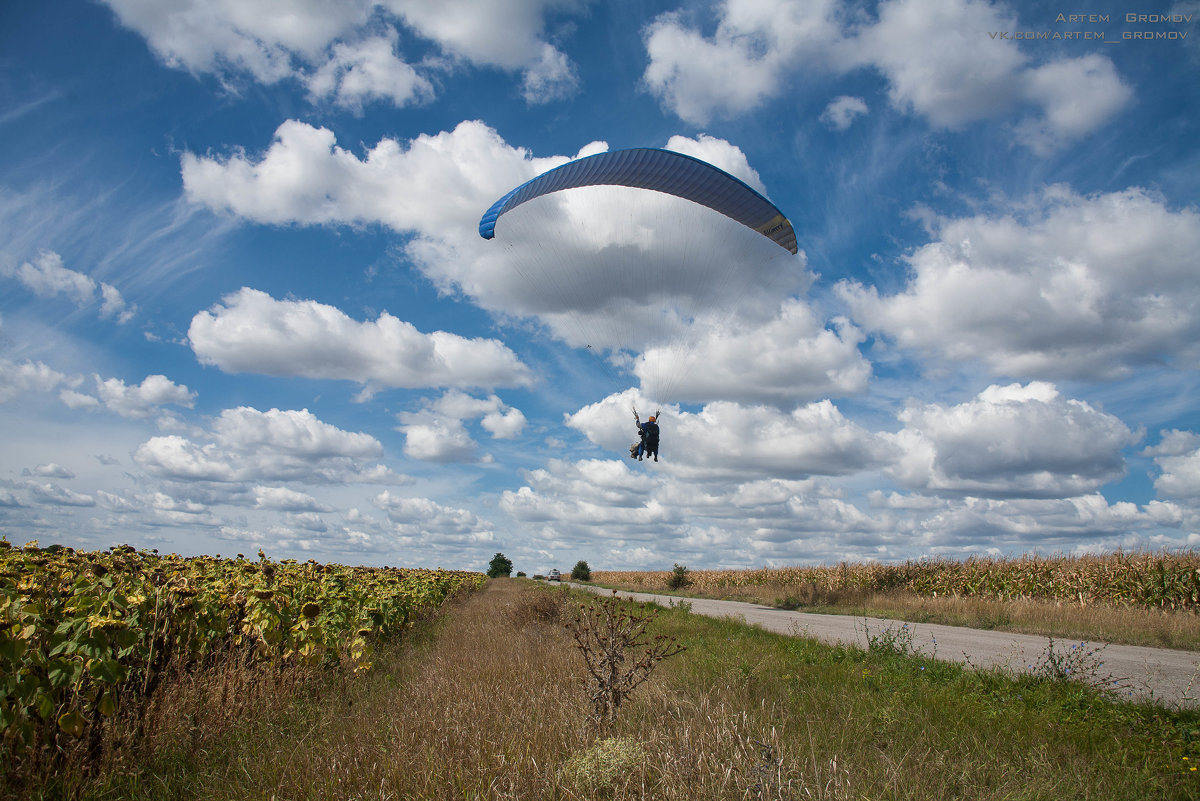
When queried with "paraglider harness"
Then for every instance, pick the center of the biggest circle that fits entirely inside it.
(647, 437)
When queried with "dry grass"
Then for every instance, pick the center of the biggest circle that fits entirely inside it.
(482, 705)
(1160, 628)
(494, 707)
(1103, 622)
(194, 710)
(491, 704)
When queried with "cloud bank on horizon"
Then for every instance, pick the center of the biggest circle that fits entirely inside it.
(245, 304)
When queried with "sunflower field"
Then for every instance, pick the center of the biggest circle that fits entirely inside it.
(85, 636)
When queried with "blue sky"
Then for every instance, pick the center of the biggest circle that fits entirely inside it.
(243, 303)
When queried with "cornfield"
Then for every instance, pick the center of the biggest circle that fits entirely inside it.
(85, 636)
(1142, 579)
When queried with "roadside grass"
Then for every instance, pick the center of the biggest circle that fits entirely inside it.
(900, 724)
(1125, 625)
(489, 703)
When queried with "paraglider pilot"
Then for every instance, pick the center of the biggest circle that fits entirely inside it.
(648, 435)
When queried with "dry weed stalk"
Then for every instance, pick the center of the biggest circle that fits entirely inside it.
(619, 652)
(768, 774)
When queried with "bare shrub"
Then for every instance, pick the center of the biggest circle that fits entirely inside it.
(619, 652)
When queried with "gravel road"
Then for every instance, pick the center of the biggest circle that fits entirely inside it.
(1164, 676)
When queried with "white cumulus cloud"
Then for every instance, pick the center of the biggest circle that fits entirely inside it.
(434, 183)
(595, 493)
(142, 400)
(1072, 287)
(939, 59)
(551, 76)
(439, 433)
(337, 50)
(727, 440)
(358, 73)
(785, 361)
(253, 332)
(287, 500)
(1078, 95)
(1011, 441)
(429, 522)
(178, 458)
(248, 445)
(30, 377)
(47, 276)
(296, 432)
(1178, 459)
(746, 62)
(841, 111)
(249, 36)
(962, 526)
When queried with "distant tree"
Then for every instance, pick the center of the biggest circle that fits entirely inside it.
(500, 566)
(520, 574)
(679, 577)
(581, 571)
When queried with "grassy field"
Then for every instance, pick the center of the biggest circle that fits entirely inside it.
(1133, 599)
(490, 703)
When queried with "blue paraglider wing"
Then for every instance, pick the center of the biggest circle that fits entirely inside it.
(661, 171)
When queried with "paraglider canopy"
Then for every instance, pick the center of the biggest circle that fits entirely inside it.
(661, 171)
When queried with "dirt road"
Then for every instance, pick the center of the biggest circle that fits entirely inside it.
(1167, 677)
